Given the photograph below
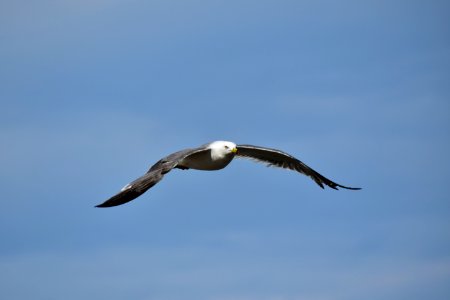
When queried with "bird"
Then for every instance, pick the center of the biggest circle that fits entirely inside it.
(215, 156)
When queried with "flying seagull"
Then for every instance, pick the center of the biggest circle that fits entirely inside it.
(210, 157)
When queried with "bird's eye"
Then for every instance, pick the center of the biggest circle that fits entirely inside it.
(226, 147)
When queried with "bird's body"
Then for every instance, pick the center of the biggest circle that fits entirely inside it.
(216, 157)
(210, 157)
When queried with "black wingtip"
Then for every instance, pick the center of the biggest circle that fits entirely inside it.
(349, 188)
(109, 203)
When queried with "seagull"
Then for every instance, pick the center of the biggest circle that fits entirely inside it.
(210, 157)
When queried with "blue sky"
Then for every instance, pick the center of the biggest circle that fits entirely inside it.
(94, 92)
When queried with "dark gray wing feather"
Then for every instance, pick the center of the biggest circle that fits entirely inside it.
(277, 158)
(139, 186)
(134, 189)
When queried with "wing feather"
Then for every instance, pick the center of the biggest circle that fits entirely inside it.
(278, 158)
(154, 175)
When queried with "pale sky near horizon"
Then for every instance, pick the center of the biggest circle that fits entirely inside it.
(94, 92)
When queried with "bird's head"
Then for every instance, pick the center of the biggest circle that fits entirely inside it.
(223, 148)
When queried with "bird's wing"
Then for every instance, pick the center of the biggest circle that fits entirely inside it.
(139, 186)
(134, 189)
(278, 158)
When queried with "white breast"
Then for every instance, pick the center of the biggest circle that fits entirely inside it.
(207, 161)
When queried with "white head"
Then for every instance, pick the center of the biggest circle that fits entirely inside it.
(220, 149)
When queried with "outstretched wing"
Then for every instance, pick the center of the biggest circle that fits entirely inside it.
(139, 186)
(134, 189)
(277, 158)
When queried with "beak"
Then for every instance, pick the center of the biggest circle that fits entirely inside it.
(234, 150)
